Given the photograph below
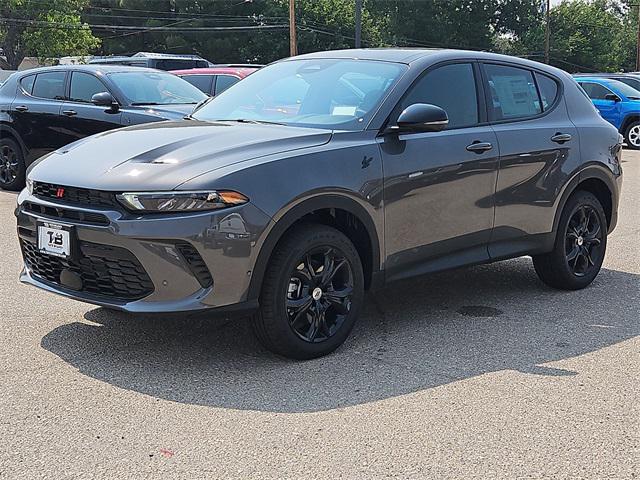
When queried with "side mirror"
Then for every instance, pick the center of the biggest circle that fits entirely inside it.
(422, 117)
(105, 99)
(612, 96)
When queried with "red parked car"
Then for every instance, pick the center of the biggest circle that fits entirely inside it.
(215, 80)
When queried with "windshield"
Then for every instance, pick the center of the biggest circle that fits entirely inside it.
(155, 88)
(625, 89)
(324, 93)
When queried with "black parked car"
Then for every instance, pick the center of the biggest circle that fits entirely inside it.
(324, 175)
(46, 108)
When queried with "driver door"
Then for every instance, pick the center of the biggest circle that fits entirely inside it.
(83, 117)
(439, 186)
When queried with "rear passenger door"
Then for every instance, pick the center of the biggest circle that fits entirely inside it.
(539, 150)
(36, 112)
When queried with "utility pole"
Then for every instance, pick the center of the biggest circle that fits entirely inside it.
(293, 45)
(547, 31)
(358, 23)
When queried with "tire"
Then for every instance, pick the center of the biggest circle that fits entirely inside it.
(632, 136)
(579, 248)
(12, 167)
(295, 297)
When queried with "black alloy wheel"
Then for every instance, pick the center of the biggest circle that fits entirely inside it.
(311, 294)
(580, 245)
(319, 294)
(583, 240)
(12, 169)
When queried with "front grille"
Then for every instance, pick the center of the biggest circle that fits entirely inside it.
(105, 271)
(196, 264)
(75, 195)
(66, 214)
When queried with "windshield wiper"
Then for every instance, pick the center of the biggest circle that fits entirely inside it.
(246, 120)
(158, 103)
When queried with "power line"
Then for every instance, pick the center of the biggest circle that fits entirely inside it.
(62, 25)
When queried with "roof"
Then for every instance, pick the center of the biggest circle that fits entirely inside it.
(409, 55)
(92, 68)
(401, 55)
(237, 72)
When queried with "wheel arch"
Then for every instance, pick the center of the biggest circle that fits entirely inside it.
(341, 212)
(7, 131)
(628, 120)
(598, 181)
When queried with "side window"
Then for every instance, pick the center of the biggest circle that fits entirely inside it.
(201, 82)
(27, 83)
(548, 90)
(49, 85)
(84, 86)
(225, 81)
(632, 82)
(513, 93)
(450, 87)
(595, 90)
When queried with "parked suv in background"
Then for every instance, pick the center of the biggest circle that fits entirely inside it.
(160, 61)
(215, 80)
(618, 103)
(321, 176)
(46, 108)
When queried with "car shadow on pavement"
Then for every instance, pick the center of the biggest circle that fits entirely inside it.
(413, 335)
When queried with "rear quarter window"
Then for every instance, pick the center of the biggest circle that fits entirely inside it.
(26, 83)
(548, 88)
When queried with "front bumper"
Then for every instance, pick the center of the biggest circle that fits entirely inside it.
(147, 253)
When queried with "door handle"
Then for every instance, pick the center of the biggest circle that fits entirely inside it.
(479, 147)
(69, 113)
(22, 108)
(561, 138)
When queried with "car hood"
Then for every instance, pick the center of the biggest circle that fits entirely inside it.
(168, 112)
(161, 156)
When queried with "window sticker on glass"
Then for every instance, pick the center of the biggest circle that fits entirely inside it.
(515, 95)
(344, 110)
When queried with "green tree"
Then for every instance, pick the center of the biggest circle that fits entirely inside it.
(586, 36)
(43, 29)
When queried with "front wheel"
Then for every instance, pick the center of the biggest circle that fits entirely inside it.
(580, 245)
(312, 293)
(632, 136)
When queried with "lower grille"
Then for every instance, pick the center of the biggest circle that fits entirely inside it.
(196, 264)
(66, 214)
(105, 271)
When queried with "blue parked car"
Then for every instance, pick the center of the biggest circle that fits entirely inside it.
(618, 103)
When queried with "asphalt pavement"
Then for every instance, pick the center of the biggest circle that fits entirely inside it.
(476, 373)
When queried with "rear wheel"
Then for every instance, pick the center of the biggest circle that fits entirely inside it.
(312, 293)
(632, 135)
(580, 245)
(12, 168)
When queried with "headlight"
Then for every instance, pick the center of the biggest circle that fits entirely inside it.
(29, 185)
(181, 201)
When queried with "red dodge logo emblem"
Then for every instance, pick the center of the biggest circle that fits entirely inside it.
(60, 193)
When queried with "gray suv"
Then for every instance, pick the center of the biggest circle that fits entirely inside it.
(322, 176)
